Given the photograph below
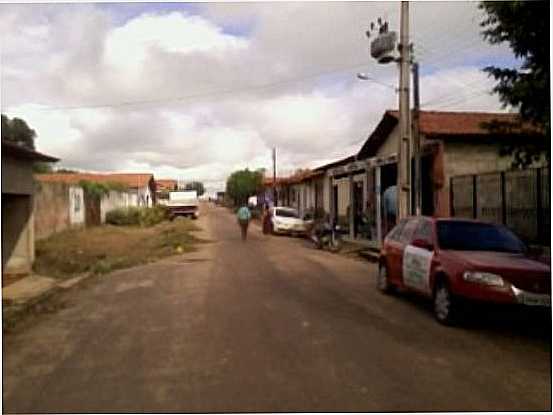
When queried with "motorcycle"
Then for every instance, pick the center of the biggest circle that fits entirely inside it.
(327, 236)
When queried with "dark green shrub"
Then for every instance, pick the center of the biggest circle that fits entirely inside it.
(124, 216)
(154, 215)
(143, 216)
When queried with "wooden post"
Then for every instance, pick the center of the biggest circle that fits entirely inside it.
(378, 207)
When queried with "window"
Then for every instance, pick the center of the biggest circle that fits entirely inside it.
(287, 213)
(474, 236)
(424, 231)
(408, 230)
(395, 232)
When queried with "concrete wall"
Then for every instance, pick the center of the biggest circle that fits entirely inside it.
(18, 246)
(390, 145)
(17, 176)
(114, 200)
(58, 206)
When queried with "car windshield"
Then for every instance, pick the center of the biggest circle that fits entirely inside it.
(287, 213)
(471, 236)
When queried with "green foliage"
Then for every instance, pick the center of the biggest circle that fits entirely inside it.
(143, 216)
(97, 189)
(17, 131)
(242, 184)
(197, 186)
(154, 215)
(41, 167)
(63, 170)
(525, 26)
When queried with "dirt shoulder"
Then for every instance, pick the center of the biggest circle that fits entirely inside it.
(102, 249)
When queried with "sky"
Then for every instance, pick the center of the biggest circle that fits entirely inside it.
(195, 91)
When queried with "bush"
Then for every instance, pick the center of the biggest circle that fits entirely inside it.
(143, 216)
(154, 215)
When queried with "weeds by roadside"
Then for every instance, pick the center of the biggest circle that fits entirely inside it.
(102, 249)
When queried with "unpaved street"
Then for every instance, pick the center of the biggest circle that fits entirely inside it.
(267, 325)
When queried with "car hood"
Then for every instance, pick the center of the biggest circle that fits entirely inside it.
(520, 270)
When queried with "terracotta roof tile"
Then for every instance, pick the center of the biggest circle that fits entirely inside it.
(133, 180)
(166, 184)
(467, 123)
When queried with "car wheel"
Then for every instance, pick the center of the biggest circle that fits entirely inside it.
(382, 281)
(445, 306)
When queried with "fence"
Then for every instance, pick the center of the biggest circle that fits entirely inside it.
(519, 199)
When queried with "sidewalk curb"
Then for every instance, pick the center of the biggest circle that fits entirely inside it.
(12, 313)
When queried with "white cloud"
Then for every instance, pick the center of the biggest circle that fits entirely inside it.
(75, 55)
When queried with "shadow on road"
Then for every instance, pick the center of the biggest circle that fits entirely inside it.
(505, 320)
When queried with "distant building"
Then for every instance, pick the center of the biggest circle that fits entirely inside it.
(163, 187)
(141, 187)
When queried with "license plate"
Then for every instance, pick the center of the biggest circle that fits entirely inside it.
(536, 300)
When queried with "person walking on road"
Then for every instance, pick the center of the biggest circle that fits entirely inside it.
(244, 215)
(266, 220)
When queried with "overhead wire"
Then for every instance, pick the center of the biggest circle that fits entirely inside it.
(213, 93)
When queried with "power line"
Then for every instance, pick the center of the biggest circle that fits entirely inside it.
(212, 93)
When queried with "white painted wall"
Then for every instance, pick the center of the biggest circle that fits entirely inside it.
(76, 205)
(113, 200)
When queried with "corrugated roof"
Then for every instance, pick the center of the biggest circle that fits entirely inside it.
(133, 180)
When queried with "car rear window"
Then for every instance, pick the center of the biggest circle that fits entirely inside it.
(287, 213)
(408, 230)
(424, 231)
(395, 232)
(473, 236)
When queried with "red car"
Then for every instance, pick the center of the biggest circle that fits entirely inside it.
(451, 260)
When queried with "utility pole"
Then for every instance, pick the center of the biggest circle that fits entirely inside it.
(417, 181)
(274, 178)
(404, 158)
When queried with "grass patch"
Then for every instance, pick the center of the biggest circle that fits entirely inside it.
(106, 248)
(143, 216)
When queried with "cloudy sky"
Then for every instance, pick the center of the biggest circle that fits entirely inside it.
(195, 91)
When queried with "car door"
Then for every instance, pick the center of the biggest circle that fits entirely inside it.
(417, 257)
(396, 247)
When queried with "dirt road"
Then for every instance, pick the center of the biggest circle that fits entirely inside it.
(266, 325)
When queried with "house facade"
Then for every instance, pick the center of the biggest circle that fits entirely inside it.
(18, 188)
(65, 191)
(453, 144)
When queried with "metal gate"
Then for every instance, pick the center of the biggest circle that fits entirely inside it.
(519, 199)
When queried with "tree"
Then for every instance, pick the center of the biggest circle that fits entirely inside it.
(18, 132)
(242, 184)
(197, 186)
(525, 26)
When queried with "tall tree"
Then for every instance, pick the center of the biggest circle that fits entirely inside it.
(197, 186)
(242, 184)
(18, 132)
(525, 26)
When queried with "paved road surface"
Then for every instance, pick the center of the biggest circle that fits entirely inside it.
(267, 325)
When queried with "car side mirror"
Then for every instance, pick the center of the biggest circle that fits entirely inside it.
(421, 243)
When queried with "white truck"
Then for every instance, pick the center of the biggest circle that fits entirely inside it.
(184, 203)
